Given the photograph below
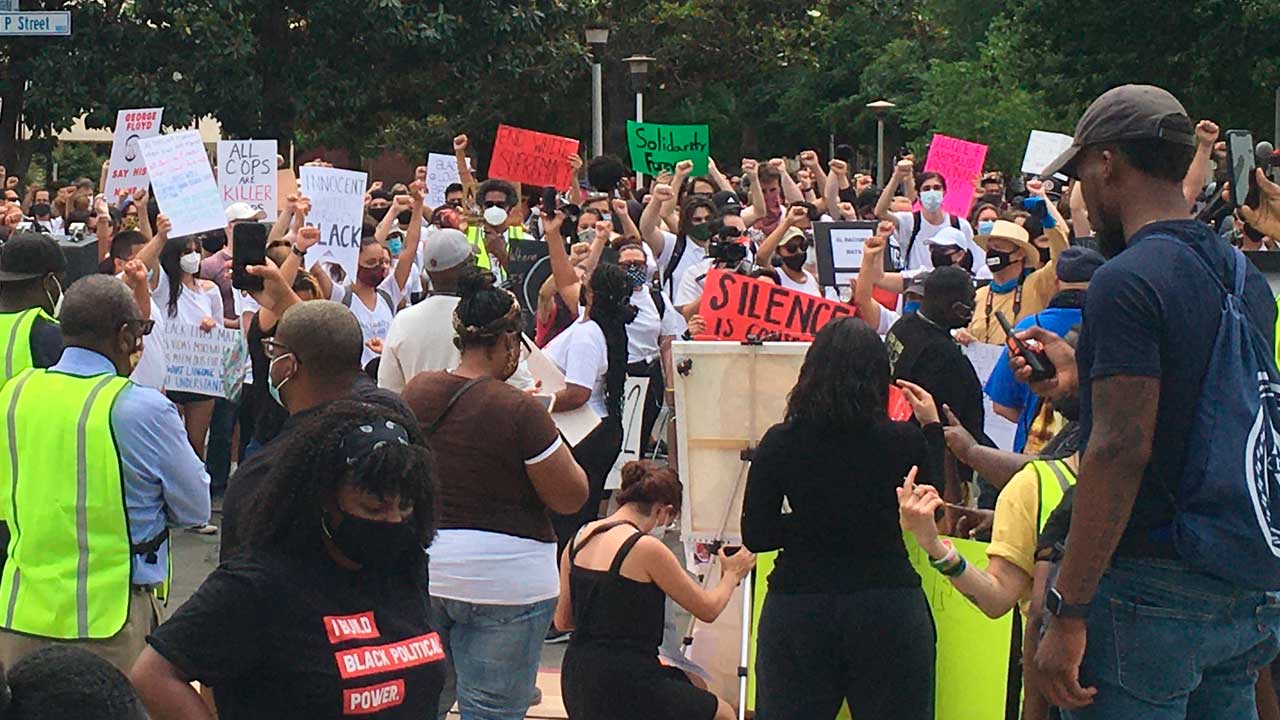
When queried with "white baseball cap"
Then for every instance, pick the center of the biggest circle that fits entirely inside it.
(243, 212)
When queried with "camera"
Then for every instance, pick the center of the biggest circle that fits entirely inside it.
(727, 247)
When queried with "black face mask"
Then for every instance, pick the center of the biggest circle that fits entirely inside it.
(940, 257)
(795, 262)
(375, 545)
(998, 261)
(404, 217)
(378, 213)
(38, 209)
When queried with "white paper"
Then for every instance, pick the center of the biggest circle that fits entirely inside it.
(183, 182)
(128, 170)
(209, 363)
(442, 171)
(632, 427)
(247, 173)
(984, 357)
(846, 247)
(573, 424)
(337, 209)
(1043, 148)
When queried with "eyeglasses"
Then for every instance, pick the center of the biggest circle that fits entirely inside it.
(494, 203)
(144, 326)
(274, 349)
(796, 247)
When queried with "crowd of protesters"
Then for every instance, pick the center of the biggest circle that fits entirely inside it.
(1131, 522)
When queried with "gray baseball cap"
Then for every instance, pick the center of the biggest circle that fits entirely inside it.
(444, 249)
(1128, 112)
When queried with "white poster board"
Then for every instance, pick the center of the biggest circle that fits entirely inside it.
(337, 209)
(1043, 148)
(247, 173)
(208, 363)
(984, 357)
(442, 171)
(128, 171)
(574, 424)
(632, 426)
(183, 182)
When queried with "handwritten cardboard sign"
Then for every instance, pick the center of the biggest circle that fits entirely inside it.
(128, 171)
(442, 171)
(337, 209)
(656, 148)
(208, 363)
(532, 158)
(183, 182)
(960, 162)
(737, 307)
(247, 174)
(1043, 148)
(286, 185)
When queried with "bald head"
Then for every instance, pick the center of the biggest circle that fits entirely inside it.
(95, 307)
(325, 337)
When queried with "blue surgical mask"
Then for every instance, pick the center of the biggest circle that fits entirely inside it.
(606, 217)
(395, 245)
(931, 200)
(272, 388)
(986, 226)
(910, 306)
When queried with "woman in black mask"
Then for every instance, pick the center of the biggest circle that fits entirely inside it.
(325, 608)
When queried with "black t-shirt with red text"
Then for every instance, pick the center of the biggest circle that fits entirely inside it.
(296, 636)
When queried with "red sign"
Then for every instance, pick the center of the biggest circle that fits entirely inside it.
(372, 699)
(374, 659)
(737, 307)
(341, 628)
(532, 158)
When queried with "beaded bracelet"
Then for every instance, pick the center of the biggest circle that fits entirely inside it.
(956, 570)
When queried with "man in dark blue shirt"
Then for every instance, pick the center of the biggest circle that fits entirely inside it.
(1163, 640)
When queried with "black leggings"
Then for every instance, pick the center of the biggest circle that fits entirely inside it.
(873, 648)
(596, 454)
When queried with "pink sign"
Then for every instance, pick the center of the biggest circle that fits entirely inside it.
(960, 162)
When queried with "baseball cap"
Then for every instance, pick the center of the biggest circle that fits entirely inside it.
(445, 249)
(948, 236)
(1077, 264)
(1128, 112)
(915, 284)
(29, 255)
(243, 212)
(727, 202)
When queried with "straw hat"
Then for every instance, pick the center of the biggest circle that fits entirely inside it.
(1016, 234)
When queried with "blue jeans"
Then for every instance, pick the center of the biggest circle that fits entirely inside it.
(1166, 642)
(493, 656)
(218, 451)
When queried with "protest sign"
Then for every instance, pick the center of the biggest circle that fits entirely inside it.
(183, 183)
(337, 209)
(971, 670)
(1042, 149)
(839, 249)
(128, 171)
(984, 357)
(286, 185)
(960, 162)
(632, 428)
(208, 363)
(532, 158)
(737, 307)
(442, 171)
(247, 173)
(574, 424)
(656, 149)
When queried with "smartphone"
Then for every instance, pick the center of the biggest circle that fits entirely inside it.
(549, 202)
(1241, 160)
(248, 247)
(548, 402)
(1037, 360)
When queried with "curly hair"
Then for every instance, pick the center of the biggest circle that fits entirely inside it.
(485, 312)
(686, 213)
(285, 510)
(844, 381)
(611, 309)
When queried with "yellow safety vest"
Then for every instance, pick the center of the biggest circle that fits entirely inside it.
(62, 494)
(15, 329)
(1055, 478)
(475, 236)
(1278, 333)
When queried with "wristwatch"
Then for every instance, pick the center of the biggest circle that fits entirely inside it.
(1057, 607)
(300, 253)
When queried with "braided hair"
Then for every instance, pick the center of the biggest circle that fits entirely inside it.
(611, 309)
(484, 312)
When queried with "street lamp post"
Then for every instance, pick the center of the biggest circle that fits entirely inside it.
(880, 108)
(639, 66)
(597, 36)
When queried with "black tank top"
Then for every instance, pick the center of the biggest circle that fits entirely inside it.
(611, 609)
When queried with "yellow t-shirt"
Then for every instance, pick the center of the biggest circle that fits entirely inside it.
(1014, 533)
(1037, 290)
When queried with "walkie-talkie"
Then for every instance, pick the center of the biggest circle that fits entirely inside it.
(1030, 350)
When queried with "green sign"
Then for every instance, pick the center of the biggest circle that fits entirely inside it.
(656, 149)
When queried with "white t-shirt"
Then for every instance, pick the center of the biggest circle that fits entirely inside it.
(887, 319)
(691, 284)
(583, 356)
(920, 258)
(374, 321)
(644, 333)
(693, 254)
(151, 365)
(810, 285)
(489, 568)
(244, 303)
(193, 305)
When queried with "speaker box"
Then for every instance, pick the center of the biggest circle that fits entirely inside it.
(81, 254)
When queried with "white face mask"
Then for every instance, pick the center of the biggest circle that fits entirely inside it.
(931, 200)
(495, 216)
(190, 263)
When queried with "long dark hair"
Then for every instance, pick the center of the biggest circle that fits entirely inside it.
(611, 309)
(844, 382)
(171, 264)
(686, 213)
(285, 510)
